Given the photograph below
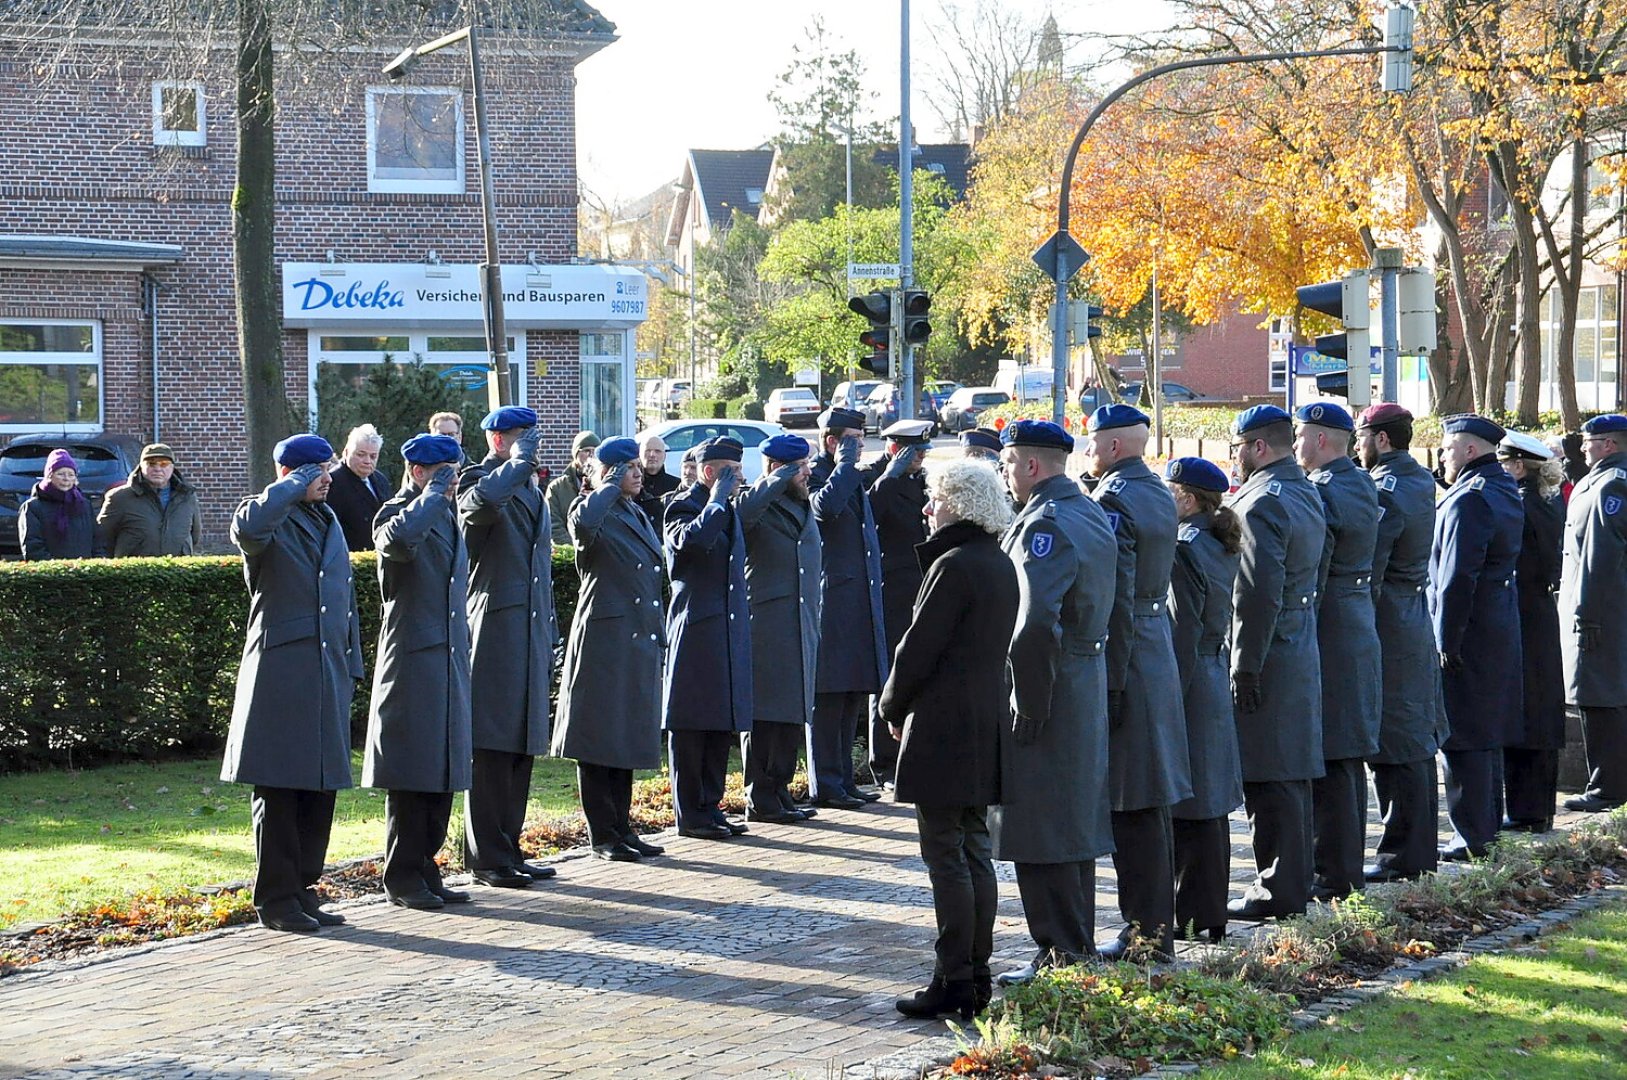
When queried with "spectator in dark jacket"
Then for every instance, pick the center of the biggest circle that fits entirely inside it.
(359, 487)
(56, 522)
(658, 483)
(154, 513)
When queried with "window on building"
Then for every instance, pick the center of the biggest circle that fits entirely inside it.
(179, 114)
(461, 362)
(415, 140)
(1597, 352)
(604, 369)
(1277, 355)
(50, 375)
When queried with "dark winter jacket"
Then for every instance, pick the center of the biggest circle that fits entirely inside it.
(134, 521)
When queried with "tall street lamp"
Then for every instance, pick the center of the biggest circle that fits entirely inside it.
(498, 390)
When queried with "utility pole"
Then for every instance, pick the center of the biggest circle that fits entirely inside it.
(1386, 260)
(906, 214)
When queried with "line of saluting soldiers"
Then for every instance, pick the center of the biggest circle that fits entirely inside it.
(1174, 653)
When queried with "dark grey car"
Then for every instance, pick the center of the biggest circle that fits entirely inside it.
(105, 462)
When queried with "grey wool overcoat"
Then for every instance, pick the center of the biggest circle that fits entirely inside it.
(1346, 626)
(783, 567)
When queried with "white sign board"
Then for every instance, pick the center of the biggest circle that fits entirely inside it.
(872, 271)
(418, 295)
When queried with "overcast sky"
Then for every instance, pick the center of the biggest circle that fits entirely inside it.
(697, 73)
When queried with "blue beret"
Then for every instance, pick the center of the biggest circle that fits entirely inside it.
(508, 418)
(1325, 414)
(1259, 416)
(306, 449)
(841, 418)
(1036, 433)
(1606, 424)
(1470, 424)
(1116, 416)
(785, 448)
(1196, 472)
(617, 451)
(431, 450)
(982, 438)
(722, 448)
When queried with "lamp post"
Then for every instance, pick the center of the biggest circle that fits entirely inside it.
(498, 390)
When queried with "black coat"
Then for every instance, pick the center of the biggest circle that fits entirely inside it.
(852, 635)
(356, 502)
(896, 501)
(1536, 581)
(652, 499)
(708, 671)
(947, 688)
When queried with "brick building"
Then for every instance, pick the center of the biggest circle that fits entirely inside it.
(116, 282)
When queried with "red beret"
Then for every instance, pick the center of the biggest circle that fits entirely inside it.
(1383, 413)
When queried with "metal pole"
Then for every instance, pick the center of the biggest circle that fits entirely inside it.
(1155, 369)
(1390, 322)
(849, 215)
(1059, 342)
(906, 214)
(498, 390)
(692, 275)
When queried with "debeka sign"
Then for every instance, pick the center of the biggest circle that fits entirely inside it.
(408, 294)
(314, 294)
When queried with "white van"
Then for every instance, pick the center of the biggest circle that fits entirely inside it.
(1030, 382)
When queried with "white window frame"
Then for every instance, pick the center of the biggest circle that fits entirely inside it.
(407, 184)
(164, 136)
(417, 345)
(77, 359)
(624, 357)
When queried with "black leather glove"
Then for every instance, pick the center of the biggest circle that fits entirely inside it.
(847, 451)
(1451, 663)
(788, 472)
(441, 480)
(1115, 706)
(1025, 729)
(725, 485)
(527, 446)
(1587, 636)
(1246, 691)
(612, 478)
(307, 474)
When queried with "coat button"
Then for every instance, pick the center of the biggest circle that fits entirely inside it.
(1304, 599)
(321, 573)
(652, 636)
(324, 609)
(640, 566)
(536, 580)
(731, 615)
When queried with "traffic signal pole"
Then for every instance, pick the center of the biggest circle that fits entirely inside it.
(906, 218)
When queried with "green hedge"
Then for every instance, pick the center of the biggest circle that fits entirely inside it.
(745, 407)
(702, 408)
(136, 658)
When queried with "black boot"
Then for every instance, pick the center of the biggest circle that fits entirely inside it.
(940, 1000)
(982, 986)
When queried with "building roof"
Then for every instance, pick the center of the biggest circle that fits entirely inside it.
(952, 161)
(731, 180)
(33, 251)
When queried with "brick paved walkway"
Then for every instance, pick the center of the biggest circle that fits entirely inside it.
(776, 954)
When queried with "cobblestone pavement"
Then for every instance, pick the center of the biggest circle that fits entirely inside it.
(774, 954)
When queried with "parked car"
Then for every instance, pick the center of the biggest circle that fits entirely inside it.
(792, 406)
(852, 395)
(964, 406)
(680, 435)
(105, 462)
(1093, 397)
(880, 408)
(939, 391)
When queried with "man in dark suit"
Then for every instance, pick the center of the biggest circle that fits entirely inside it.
(658, 483)
(359, 487)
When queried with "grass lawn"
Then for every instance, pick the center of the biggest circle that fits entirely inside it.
(1556, 1011)
(72, 838)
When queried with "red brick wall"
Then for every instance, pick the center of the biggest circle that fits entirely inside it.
(1226, 361)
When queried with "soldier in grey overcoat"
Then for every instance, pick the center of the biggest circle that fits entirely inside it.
(783, 566)
(1412, 720)
(290, 729)
(418, 719)
(1276, 668)
(1347, 637)
(512, 632)
(1200, 600)
(1592, 595)
(1475, 611)
(1149, 767)
(1053, 820)
(610, 691)
(708, 683)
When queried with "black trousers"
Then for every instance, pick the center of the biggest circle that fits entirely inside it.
(700, 769)
(1604, 740)
(414, 830)
(1144, 859)
(768, 757)
(1203, 861)
(1339, 825)
(494, 809)
(1279, 820)
(830, 743)
(883, 757)
(1474, 797)
(1530, 783)
(291, 830)
(1059, 902)
(607, 801)
(1409, 802)
(958, 853)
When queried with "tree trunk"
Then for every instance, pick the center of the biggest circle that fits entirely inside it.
(1528, 374)
(259, 316)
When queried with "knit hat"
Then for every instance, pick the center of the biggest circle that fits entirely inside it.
(60, 459)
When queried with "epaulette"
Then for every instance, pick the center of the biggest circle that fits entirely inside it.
(1477, 484)
(1380, 513)
(1274, 488)
(1621, 474)
(1322, 476)
(1388, 483)
(1048, 511)
(1115, 485)
(1188, 533)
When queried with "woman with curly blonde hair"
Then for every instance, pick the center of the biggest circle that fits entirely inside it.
(945, 700)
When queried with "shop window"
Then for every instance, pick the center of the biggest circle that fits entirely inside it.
(415, 140)
(604, 373)
(50, 376)
(179, 114)
(344, 361)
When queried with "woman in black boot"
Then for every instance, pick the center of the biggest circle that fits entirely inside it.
(945, 701)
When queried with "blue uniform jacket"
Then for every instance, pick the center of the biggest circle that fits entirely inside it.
(708, 683)
(853, 654)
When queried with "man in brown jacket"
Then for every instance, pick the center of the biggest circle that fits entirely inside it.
(154, 513)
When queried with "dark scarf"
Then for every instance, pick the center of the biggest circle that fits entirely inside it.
(67, 505)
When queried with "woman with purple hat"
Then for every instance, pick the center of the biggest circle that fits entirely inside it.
(57, 521)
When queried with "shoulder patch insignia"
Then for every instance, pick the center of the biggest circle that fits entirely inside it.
(1477, 484)
(1274, 488)
(1611, 504)
(1388, 483)
(1049, 511)
(1322, 476)
(1188, 534)
(1041, 544)
(1115, 485)
(1113, 521)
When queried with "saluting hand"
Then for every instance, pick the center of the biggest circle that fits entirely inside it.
(847, 451)
(441, 480)
(307, 474)
(527, 446)
(725, 484)
(788, 472)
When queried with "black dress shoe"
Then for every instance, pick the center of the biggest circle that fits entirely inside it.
(1329, 892)
(292, 922)
(633, 841)
(616, 851)
(1256, 910)
(940, 1000)
(775, 817)
(1383, 875)
(735, 826)
(1590, 803)
(1527, 825)
(309, 904)
(790, 806)
(706, 832)
(421, 900)
(864, 796)
(451, 896)
(1213, 934)
(839, 802)
(1459, 854)
(505, 877)
(1147, 951)
(536, 871)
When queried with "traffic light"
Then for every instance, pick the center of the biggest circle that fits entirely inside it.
(1083, 315)
(1347, 301)
(916, 328)
(876, 356)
